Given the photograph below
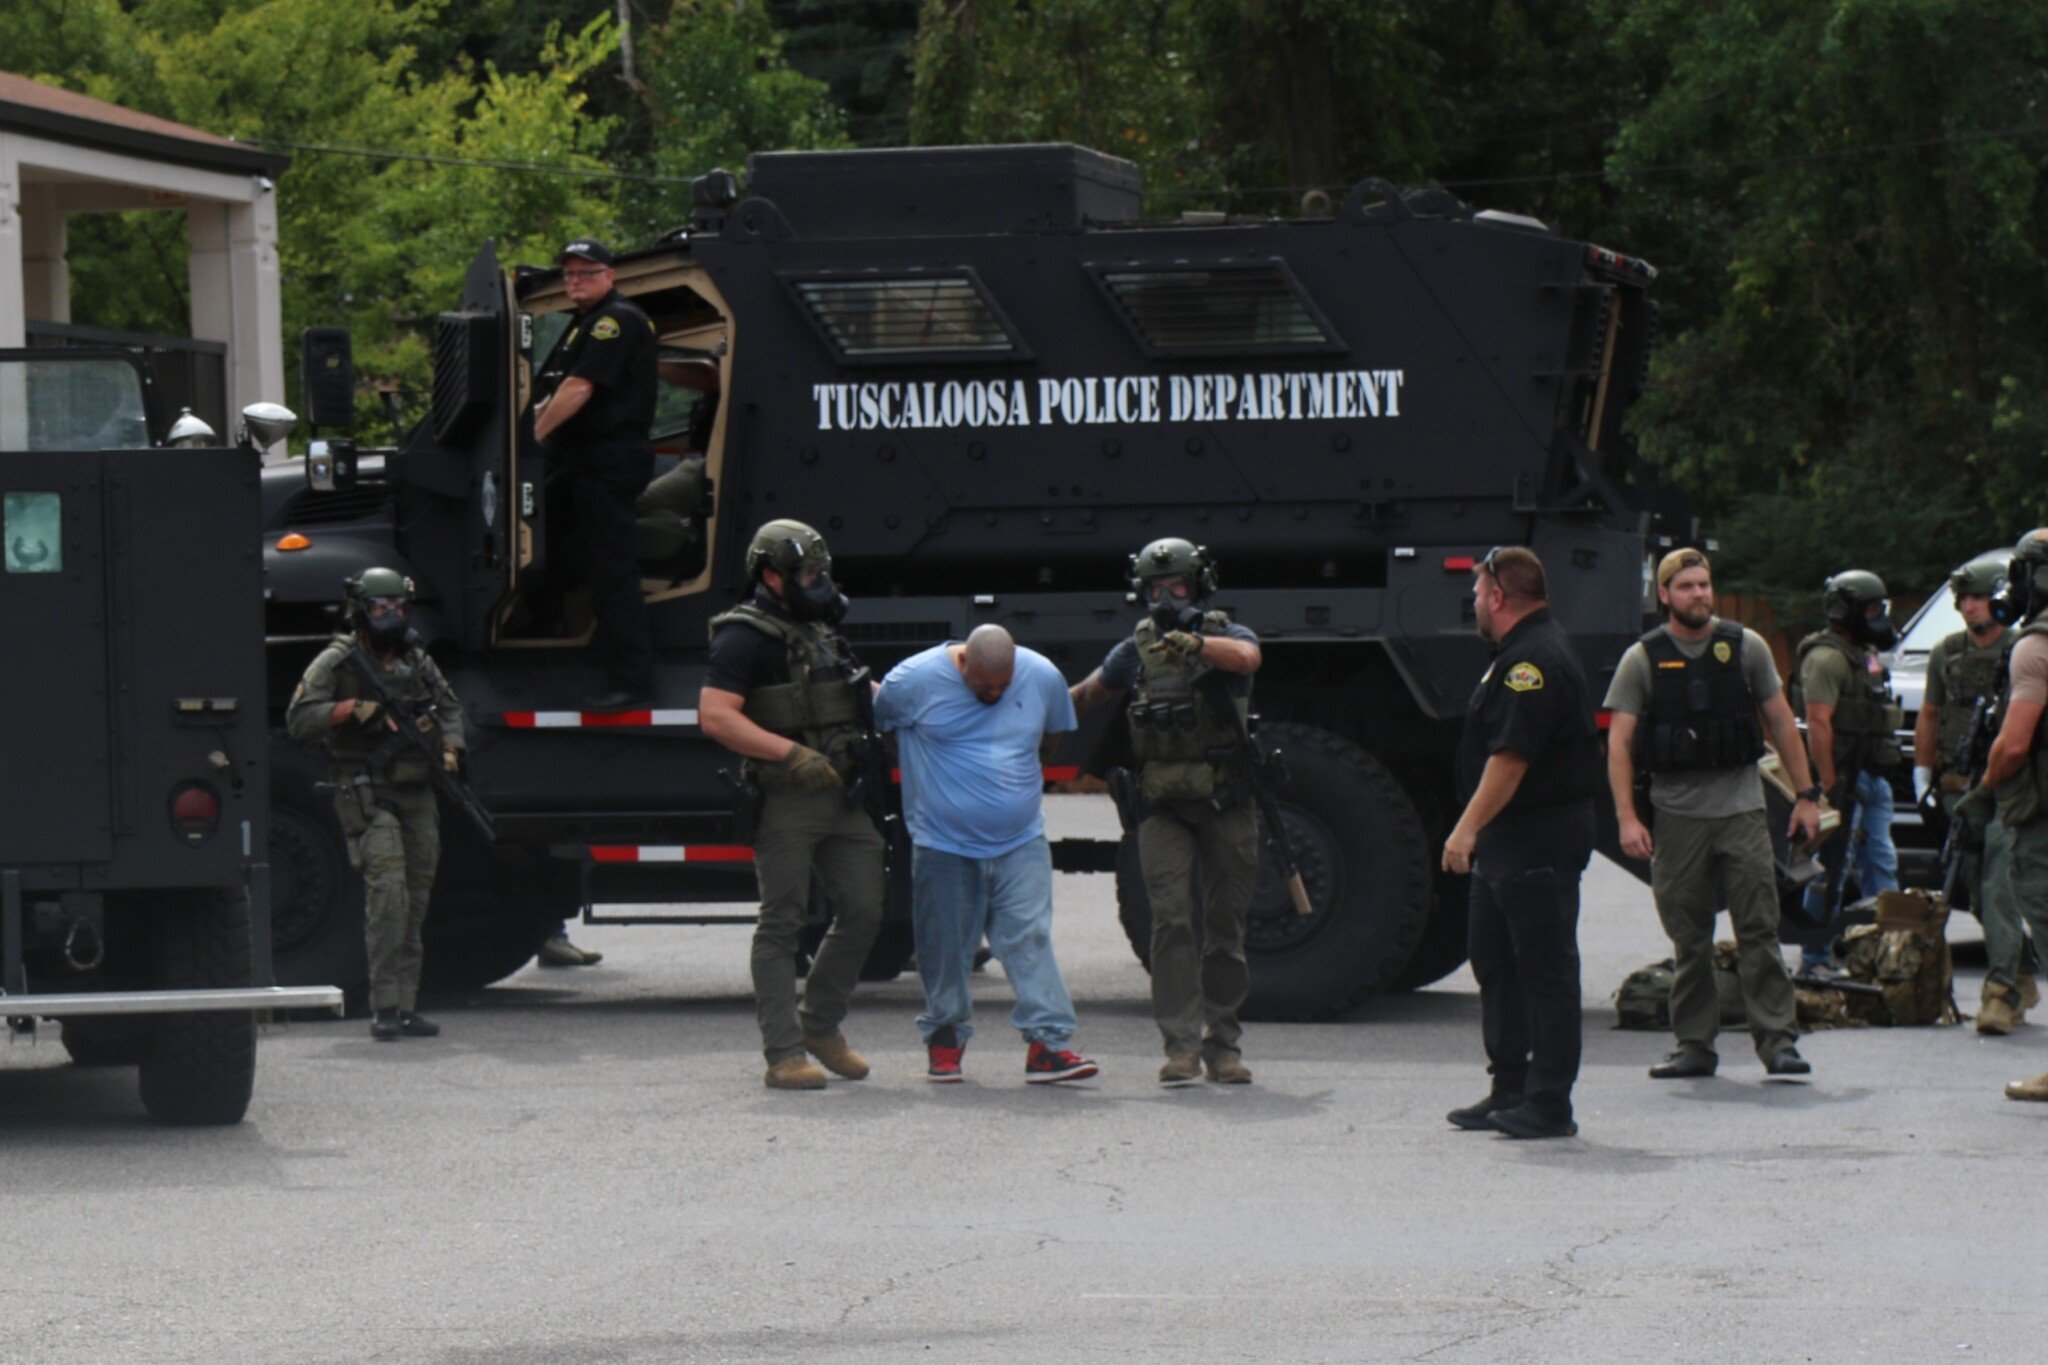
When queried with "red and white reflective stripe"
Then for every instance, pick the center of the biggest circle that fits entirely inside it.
(670, 853)
(599, 720)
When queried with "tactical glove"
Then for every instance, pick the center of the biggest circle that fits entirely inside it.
(1179, 644)
(452, 761)
(811, 771)
(1976, 808)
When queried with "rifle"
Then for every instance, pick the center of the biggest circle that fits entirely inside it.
(416, 722)
(1829, 983)
(1838, 873)
(1264, 770)
(872, 768)
(1972, 755)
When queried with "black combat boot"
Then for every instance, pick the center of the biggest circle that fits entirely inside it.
(386, 1027)
(417, 1026)
(1473, 1117)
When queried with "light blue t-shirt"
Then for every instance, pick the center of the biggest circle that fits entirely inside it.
(972, 782)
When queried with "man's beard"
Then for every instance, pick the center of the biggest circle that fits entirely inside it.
(1693, 617)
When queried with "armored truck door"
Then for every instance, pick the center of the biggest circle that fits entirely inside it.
(53, 675)
(457, 497)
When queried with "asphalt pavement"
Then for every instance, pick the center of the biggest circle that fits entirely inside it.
(585, 1167)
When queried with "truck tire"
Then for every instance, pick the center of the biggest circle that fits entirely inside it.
(1366, 865)
(316, 897)
(103, 1042)
(494, 905)
(199, 1068)
(1442, 949)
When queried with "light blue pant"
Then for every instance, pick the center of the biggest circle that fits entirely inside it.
(955, 901)
(1874, 858)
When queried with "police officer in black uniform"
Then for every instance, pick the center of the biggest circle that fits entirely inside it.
(594, 415)
(1531, 763)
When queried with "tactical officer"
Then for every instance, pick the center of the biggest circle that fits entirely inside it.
(1963, 670)
(2016, 776)
(1691, 703)
(594, 414)
(781, 691)
(1186, 669)
(383, 796)
(1843, 691)
(1531, 763)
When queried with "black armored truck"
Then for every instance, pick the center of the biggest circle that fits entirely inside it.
(134, 819)
(988, 379)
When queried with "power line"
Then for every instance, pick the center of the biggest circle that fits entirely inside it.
(470, 162)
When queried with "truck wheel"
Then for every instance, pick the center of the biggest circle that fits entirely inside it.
(1366, 866)
(1442, 950)
(103, 1042)
(494, 905)
(316, 897)
(199, 1068)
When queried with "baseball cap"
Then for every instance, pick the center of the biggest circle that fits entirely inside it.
(586, 248)
(1670, 566)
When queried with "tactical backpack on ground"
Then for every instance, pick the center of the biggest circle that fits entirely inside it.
(1905, 954)
(1176, 724)
(1701, 713)
(816, 708)
(1644, 1000)
(1867, 717)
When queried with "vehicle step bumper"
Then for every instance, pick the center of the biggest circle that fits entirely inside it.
(171, 1002)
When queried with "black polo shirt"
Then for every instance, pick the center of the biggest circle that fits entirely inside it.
(612, 347)
(1534, 702)
(743, 658)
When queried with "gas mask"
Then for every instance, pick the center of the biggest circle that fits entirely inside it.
(1877, 632)
(1169, 611)
(819, 600)
(2015, 602)
(387, 631)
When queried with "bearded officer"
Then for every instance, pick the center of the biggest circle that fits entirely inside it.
(1843, 691)
(1691, 703)
(1964, 669)
(2016, 775)
(384, 795)
(780, 692)
(1530, 762)
(1195, 815)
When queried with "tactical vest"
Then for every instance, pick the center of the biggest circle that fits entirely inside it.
(1701, 712)
(350, 747)
(1968, 674)
(1867, 717)
(2023, 797)
(1177, 724)
(815, 708)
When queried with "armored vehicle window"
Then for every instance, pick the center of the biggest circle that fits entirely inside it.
(34, 527)
(870, 319)
(51, 403)
(1220, 310)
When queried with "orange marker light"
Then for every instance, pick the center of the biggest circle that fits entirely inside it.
(294, 541)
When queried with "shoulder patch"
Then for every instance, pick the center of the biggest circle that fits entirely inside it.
(1524, 678)
(604, 329)
(1722, 653)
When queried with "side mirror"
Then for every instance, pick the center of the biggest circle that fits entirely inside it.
(331, 465)
(265, 424)
(327, 373)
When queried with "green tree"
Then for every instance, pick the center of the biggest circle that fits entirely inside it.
(1855, 274)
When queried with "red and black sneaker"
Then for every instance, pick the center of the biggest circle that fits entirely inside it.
(944, 1049)
(1043, 1066)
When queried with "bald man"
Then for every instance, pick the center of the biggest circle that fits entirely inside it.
(973, 720)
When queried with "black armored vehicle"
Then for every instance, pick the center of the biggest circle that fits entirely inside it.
(133, 824)
(988, 380)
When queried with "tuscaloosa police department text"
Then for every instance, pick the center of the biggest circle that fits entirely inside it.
(1300, 396)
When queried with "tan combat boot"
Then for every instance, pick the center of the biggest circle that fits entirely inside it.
(1995, 1014)
(2030, 995)
(1226, 1068)
(1182, 1068)
(2036, 1089)
(794, 1073)
(839, 1059)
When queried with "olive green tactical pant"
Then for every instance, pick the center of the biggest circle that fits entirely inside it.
(801, 833)
(1703, 865)
(1973, 865)
(395, 842)
(1198, 986)
(2015, 893)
